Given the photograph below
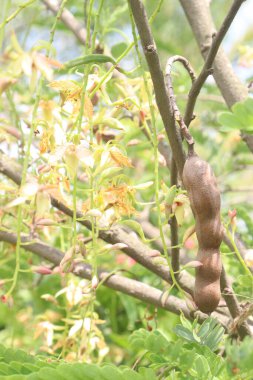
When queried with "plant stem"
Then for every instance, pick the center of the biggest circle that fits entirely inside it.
(231, 238)
(26, 159)
(156, 161)
(14, 14)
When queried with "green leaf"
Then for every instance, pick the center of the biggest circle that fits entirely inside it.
(137, 228)
(118, 49)
(130, 374)
(187, 324)
(4, 369)
(169, 198)
(202, 367)
(110, 372)
(184, 333)
(73, 371)
(229, 122)
(50, 373)
(29, 368)
(147, 373)
(138, 339)
(241, 117)
(157, 342)
(109, 173)
(204, 328)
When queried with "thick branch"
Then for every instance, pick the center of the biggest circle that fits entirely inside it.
(125, 285)
(162, 98)
(212, 52)
(200, 19)
(233, 91)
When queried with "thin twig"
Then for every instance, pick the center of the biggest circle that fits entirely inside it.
(17, 11)
(152, 232)
(239, 244)
(176, 113)
(185, 133)
(208, 65)
(188, 67)
(175, 251)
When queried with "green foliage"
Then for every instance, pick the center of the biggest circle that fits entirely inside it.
(93, 142)
(189, 357)
(209, 334)
(241, 117)
(16, 364)
(192, 356)
(240, 358)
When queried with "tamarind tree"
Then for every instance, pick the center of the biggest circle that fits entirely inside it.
(126, 166)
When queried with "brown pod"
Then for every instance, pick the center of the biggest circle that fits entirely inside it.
(207, 283)
(200, 183)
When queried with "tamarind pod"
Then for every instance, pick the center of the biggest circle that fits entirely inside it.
(207, 291)
(207, 295)
(210, 270)
(204, 196)
(209, 233)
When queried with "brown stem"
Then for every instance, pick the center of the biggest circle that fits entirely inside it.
(162, 98)
(176, 113)
(186, 134)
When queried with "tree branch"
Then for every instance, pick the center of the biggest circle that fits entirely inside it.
(207, 68)
(184, 133)
(233, 91)
(133, 288)
(134, 247)
(162, 98)
(151, 232)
